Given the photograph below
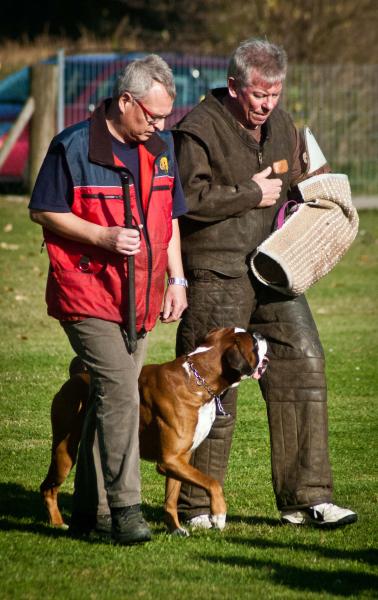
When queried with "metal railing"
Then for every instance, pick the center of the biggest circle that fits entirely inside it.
(338, 102)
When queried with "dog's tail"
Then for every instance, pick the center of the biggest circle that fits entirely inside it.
(77, 366)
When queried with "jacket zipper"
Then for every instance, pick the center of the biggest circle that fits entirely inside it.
(260, 157)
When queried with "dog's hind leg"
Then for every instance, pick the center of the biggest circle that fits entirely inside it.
(67, 415)
(63, 458)
(60, 466)
(172, 491)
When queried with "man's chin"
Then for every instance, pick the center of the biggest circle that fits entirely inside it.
(144, 137)
(258, 121)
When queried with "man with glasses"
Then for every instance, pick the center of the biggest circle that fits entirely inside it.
(239, 155)
(120, 156)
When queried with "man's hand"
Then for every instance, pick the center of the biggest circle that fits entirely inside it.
(121, 240)
(271, 188)
(115, 239)
(174, 303)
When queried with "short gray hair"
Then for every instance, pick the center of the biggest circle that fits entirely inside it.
(140, 74)
(267, 60)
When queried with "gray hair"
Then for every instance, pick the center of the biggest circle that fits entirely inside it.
(140, 74)
(260, 56)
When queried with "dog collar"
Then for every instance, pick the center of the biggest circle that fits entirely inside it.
(201, 381)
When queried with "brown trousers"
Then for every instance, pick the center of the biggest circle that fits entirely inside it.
(107, 472)
(294, 387)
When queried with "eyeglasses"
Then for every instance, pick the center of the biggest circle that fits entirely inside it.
(150, 118)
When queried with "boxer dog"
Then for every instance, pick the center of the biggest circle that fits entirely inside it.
(179, 401)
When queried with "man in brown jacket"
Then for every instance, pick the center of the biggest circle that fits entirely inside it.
(239, 156)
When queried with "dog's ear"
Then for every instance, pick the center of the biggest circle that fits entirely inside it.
(240, 361)
(214, 335)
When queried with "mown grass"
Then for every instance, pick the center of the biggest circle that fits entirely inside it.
(254, 557)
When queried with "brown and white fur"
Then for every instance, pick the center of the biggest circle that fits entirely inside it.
(176, 414)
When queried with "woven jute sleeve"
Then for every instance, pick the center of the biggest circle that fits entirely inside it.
(313, 240)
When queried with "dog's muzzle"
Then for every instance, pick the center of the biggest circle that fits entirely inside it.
(261, 348)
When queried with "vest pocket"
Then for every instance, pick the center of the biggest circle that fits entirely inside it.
(74, 293)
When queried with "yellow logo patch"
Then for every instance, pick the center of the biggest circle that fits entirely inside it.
(164, 164)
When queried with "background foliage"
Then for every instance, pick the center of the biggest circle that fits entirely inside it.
(312, 31)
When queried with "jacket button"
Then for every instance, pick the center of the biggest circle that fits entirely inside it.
(84, 264)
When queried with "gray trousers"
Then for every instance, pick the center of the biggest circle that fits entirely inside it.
(293, 387)
(107, 472)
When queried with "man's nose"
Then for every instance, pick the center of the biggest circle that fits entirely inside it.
(268, 103)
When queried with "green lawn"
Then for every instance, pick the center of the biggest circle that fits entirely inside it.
(254, 557)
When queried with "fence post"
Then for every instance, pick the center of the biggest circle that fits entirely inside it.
(61, 92)
(44, 90)
(16, 129)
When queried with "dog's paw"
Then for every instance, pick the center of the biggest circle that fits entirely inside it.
(62, 526)
(180, 532)
(218, 521)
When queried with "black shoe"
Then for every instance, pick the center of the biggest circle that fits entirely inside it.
(104, 525)
(129, 526)
(86, 524)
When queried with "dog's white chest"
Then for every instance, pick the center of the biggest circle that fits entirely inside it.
(206, 418)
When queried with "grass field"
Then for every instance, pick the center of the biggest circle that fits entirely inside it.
(254, 557)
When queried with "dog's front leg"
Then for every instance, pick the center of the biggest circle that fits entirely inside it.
(179, 468)
(172, 490)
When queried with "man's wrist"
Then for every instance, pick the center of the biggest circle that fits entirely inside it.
(178, 281)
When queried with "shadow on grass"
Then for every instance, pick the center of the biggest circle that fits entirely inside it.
(253, 520)
(362, 555)
(338, 582)
(18, 503)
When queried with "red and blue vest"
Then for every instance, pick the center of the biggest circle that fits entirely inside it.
(88, 281)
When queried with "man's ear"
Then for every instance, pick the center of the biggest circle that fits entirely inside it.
(123, 100)
(232, 87)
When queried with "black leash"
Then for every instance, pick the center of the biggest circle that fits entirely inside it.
(131, 332)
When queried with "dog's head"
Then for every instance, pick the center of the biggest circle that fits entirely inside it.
(243, 354)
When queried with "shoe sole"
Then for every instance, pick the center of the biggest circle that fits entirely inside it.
(130, 540)
(348, 520)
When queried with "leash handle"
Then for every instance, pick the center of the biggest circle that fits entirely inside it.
(128, 220)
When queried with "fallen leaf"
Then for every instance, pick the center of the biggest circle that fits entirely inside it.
(364, 258)
(6, 246)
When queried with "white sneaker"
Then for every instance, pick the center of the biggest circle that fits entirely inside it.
(321, 515)
(200, 522)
